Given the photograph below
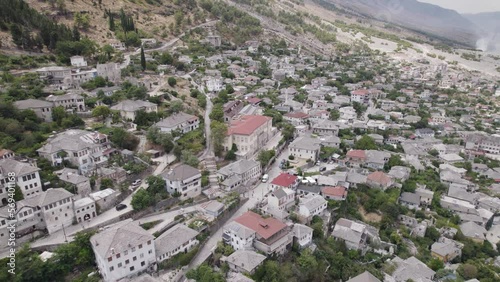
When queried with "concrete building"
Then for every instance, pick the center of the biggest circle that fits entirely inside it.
(129, 108)
(354, 234)
(284, 180)
(183, 179)
(250, 133)
(484, 143)
(78, 61)
(181, 122)
(42, 109)
(281, 199)
(446, 249)
(379, 180)
(411, 268)
(56, 205)
(302, 235)
(80, 183)
(178, 239)
(105, 199)
(244, 261)
(111, 71)
(123, 250)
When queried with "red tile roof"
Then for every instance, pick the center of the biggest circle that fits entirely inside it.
(254, 100)
(360, 92)
(246, 125)
(358, 154)
(284, 180)
(379, 177)
(265, 227)
(297, 115)
(337, 191)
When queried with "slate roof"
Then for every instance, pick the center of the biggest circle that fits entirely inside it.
(174, 238)
(312, 202)
(248, 260)
(238, 167)
(119, 238)
(180, 173)
(364, 277)
(175, 120)
(32, 104)
(306, 143)
(53, 195)
(412, 268)
(17, 167)
(132, 105)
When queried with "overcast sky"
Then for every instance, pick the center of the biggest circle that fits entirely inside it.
(467, 6)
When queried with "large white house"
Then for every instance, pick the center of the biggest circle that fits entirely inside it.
(181, 121)
(129, 108)
(238, 173)
(123, 250)
(250, 133)
(305, 148)
(26, 177)
(178, 239)
(84, 149)
(183, 179)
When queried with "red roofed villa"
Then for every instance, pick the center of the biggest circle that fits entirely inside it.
(284, 180)
(272, 235)
(249, 133)
(337, 193)
(356, 157)
(380, 180)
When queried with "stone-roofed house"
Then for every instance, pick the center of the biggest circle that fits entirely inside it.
(424, 133)
(305, 148)
(123, 250)
(42, 109)
(376, 159)
(364, 277)
(26, 176)
(183, 179)
(410, 200)
(105, 199)
(80, 182)
(70, 101)
(178, 239)
(446, 249)
(84, 149)
(85, 209)
(473, 231)
(238, 236)
(379, 180)
(354, 234)
(411, 268)
(244, 261)
(129, 108)
(400, 172)
(250, 133)
(326, 128)
(56, 205)
(238, 173)
(311, 205)
(212, 208)
(181, 121)
(296, 118)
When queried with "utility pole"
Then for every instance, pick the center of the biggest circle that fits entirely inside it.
(64, 231)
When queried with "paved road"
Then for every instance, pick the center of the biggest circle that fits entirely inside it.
(61, 236)
(255, 195)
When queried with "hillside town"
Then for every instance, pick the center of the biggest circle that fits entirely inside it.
(258, 160)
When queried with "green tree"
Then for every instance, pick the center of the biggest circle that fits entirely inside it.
(108, 50)
(219, 130)
(334, 114)
(204, 273)
(143, 59)
(217, 113)
(101, 111)
(265, 156)
(189, 158)
(436, 264)
(124, 139)
(141, 200)
(106, 183)
(58, 114)
(394, 160)
(365, 143)
(172, 81)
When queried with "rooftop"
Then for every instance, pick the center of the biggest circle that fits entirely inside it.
(265, 227)
(246, 125)
(174, 238)
(181, 172)
(284, 180)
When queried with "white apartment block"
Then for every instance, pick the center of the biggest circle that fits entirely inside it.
(26, 177)
(123, 250)
(183, 179)
(238, 173)
(479, 142)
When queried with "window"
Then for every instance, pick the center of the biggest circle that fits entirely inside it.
(118, 255)
(141, 256)
(120, 264)
(132, 268)
(149, 242)
(111, 268)
(140, 246)
(143, 263)
(133, 249)
(134, 258)
(125, 253)
(127, 261)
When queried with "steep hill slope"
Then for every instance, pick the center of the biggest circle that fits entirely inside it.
(422, 17)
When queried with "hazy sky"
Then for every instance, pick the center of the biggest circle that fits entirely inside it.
(467, 6)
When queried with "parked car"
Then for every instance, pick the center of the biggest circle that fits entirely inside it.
(323, 168)
(265, 178)
(120, 207)
(136, 182)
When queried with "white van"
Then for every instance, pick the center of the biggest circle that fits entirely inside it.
(265, 177)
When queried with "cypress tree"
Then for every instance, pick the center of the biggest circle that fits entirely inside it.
(143, 59)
